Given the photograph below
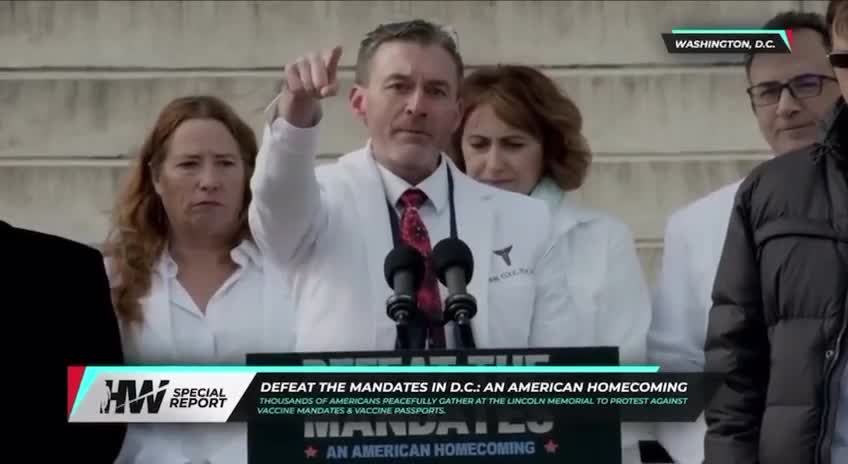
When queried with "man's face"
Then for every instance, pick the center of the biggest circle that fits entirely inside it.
(788, 122)
(840, 45)
(409, 105)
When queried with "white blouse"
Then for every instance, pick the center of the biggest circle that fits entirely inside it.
(251, 312)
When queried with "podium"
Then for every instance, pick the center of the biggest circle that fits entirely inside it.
(490, 437)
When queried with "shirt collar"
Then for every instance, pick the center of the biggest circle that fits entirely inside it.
(435, 186)
(245, 254)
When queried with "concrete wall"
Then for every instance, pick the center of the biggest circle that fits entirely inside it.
(80, 82)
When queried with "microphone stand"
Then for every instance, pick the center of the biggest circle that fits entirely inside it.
(461, 308)
(400, 308)
(403, 268)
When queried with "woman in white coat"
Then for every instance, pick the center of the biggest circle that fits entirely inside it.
(188, 283)
(520, 133)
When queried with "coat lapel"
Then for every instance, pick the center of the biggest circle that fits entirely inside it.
(475, 225)
(567, 215)
(370, 203)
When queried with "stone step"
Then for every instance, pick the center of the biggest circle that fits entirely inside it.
(261, 34)
(650, 256)
(74, 199)
(818, 6)
(684, 110)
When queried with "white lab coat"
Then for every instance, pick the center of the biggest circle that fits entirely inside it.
(329, 228)
(605, 274)
(694, 240)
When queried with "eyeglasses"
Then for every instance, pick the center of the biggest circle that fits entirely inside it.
(800, 87)
(838, 59)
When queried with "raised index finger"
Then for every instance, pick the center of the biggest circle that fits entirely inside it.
(331, 58)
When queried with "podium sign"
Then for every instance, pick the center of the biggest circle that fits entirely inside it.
(492, 434)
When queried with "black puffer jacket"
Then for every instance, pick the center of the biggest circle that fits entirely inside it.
(778, 322)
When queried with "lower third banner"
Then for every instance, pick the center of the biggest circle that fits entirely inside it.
(446, 427)
(542, 405)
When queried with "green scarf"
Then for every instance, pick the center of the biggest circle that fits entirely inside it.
(548, 191)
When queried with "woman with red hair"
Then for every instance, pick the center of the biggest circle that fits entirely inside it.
(188, 283)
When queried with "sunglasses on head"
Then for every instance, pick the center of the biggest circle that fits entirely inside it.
(838, 59)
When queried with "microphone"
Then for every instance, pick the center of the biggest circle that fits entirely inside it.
(404, 272)
(453, 263)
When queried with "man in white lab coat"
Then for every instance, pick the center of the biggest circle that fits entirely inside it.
(331, 226)
(790, 95)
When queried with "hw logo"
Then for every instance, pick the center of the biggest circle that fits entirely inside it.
(123, 394)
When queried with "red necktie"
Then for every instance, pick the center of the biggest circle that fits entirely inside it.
(413, 232)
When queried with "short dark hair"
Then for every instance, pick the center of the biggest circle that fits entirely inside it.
(793, 20)
(837, 17)
(416, 31)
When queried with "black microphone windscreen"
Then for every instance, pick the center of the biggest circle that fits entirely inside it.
(452, 252)
(405, 258)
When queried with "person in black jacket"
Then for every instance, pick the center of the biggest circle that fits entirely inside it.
(780, 311)
(65, 315)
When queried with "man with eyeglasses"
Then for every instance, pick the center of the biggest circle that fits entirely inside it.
(790, 95)
(777, 328)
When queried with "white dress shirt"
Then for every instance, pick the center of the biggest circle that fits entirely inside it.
(251, 312)
(434, 212)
